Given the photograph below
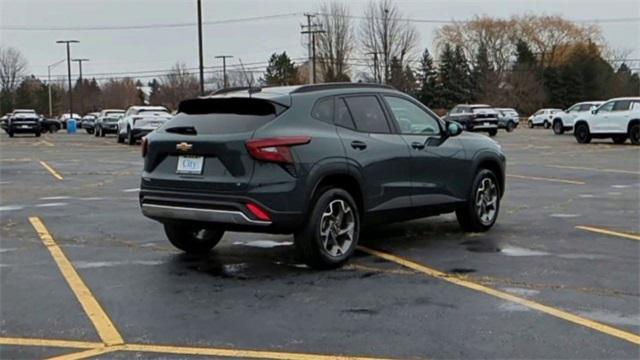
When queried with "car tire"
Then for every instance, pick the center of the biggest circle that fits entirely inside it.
(102, 133)
(481, 211)
(620, 139)
(37, 134)
(10, 133)
(120, 139)
(582, 134)
(493, 132)
(54, 128)
(510, 126)
(97, 132)
(191, 239)
(558, 129)
(130, 139)
(634, 134)
(530, 124)
(546, 124)
(331, 233)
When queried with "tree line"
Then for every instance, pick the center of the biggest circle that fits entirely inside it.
(525, 62)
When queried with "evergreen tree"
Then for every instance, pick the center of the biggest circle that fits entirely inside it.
(524, 55)
(463, 75)
(281, 71)
(482, 73)
(454, 78)
(427, 80)
(402, 78)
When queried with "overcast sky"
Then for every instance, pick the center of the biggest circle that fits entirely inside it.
(150, 49)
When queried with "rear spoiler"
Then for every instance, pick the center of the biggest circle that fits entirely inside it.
(233, 105)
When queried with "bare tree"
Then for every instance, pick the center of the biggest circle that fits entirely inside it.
(385, 35)
(177, 85)
(496, 35)
(13, 67)
(335, 45)
(120, 93)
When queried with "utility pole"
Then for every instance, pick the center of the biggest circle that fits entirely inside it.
(311, 31)
(69, 72)
(200, 47)
(225, 83)
(376, 76)
(49, 67)
(385, 45)
(79, 61)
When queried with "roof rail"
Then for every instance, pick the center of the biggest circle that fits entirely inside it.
(338, 85)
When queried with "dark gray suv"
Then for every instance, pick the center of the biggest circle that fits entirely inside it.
(318, 161)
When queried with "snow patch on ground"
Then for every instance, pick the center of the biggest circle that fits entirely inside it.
(264, 244)
(516, 251)
(53, 204)
(11, 207)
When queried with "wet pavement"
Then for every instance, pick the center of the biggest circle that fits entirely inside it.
(557, 277)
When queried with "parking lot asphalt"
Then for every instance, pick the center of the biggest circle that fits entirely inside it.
(84, 275)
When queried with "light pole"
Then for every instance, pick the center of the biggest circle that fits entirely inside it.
(224, 69)
(200, 47)
(79, 61)
(69, 72)
(49, 83)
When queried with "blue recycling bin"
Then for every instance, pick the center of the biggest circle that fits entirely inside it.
(71, 126)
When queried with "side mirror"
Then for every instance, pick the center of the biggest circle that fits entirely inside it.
(454, 129)
(594, 111)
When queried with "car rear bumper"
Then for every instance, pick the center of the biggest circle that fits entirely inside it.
(228, 211)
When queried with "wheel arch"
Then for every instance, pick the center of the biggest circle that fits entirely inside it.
(337, 175)
(492, 162)
(580, 122)
(635, 121)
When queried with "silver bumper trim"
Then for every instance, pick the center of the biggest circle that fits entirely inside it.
(208, 215)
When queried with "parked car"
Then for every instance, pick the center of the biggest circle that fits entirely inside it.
(107, 122)
(64, 117)
(542, 117)
(475, 117)
(318, 161)
(3, 121)
(89, 122)
(563, 120)
(139, 121)
(50, 125)
(508, 118)
(23, 121)
(618, 119)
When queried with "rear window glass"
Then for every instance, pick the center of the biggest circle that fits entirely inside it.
(323, 110)
(367, 114)
(222, 116)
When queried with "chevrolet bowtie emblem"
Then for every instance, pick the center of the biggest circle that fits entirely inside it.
(183, 146)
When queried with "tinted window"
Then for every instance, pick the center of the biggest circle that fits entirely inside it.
(585, 107)
(367, 114)
(621, 105)
(411, 118)
(343, 116)
(222, 116)
(323, 110)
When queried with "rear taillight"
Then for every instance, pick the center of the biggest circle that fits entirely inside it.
(258, 212)
(144, 146)
(275, 149)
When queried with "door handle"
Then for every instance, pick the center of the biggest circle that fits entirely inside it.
(417, 145)
(358, 145)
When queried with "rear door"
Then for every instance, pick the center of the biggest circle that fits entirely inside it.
(600, 122)
(202, 149)
(619, 117)
(375, 150)
(437, 161)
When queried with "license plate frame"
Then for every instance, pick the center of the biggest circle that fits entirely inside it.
(486, 124)
(190, 165)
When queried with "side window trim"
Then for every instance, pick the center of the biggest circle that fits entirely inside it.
(333, 112)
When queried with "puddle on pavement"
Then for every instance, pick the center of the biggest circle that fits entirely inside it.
(462, 271)
(481, 246)
(263, 244)
(516, 251)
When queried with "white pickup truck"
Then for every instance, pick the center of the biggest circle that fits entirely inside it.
(618, 119)
(563, 120)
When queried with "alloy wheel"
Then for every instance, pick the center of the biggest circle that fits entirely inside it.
(486, 201)
(337, 228)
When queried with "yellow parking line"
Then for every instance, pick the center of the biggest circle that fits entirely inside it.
(564, 181)
(593, 169)
(50, 169)
(606, 329)
(105, 328)
(72, 344)
(251, 354)
(87, 353)
(609, 232)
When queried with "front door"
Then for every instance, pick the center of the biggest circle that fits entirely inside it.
(372, 147)
(437, 161)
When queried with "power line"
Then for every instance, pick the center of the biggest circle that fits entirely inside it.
(141, 27)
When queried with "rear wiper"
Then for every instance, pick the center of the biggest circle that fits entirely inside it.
(185, 130)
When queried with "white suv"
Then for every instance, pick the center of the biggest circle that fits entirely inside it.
(139, 121)
(542, 117)
(618, 119)
(563, 120)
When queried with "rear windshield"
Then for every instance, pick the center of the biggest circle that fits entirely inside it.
(223, 116)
